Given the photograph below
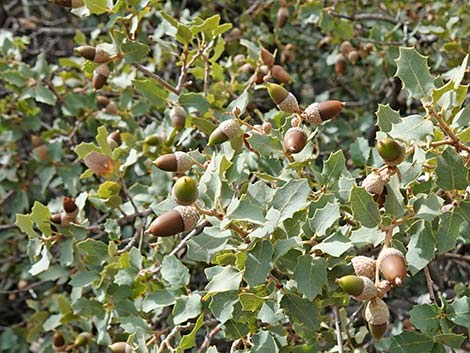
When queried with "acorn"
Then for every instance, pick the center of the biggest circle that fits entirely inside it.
(281, 75)
(56, 218)
(114, 139)
(181, 219)
(391, 151)
(364, 266)
(239, 59)
(267, 127)
(368, 292)
(89, 52)
(351, 284)
(100, 76)
(266, 57)
(102, 101)
(340, 64)
(120, 347)
(391, 263)
(99, 163)
(282, 16)
(383, 287)
(153, 140)
(316, 113)
(377, 316)
(70, 207)
(185, 191)
(373, 183)
(227, 130)
(58, 342)
(68, 3)
(346, 47)
(353, 56)
(284, 100)
(178, 117)
(295, 140)
(83, 339)
(174, 162)
(112, 108)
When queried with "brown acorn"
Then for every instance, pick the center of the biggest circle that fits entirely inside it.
(284, 100)
(114, 139)
(346, 47)
(391, 263)
(227, 130)
(391, 151)
(282, 16)
(340, 64)
(178, 117)
(91, 53)
(100, 76)
(102, 101)
(58, 342)
(295, 140)
(373, 183)
(83, 339)
(267, 127)
(377, 316)
(266, 57)
(353, 56)
(56, 218)
(181, 219)
(120, 347)
(280, 74)
(316, 113)
(99, 163)
(70, 207)
(112, 108)
(175, 162)
(364, 266)
(68, 3)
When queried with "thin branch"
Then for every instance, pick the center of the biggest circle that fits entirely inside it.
(6, 197)
(167, 341)
(365, 17)
(156, 78)
(455, 256)
(208, 338)
(128, 195)
(138, 233)
(429, 283)
(7, 226)
(339, 337)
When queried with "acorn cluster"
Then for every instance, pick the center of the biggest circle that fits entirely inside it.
(391, 264)
(392, 153)
(84, 339)
(351, 54)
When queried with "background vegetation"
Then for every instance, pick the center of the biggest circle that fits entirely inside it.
(258, 272)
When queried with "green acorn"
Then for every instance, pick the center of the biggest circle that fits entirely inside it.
(91, 53)
(181, 219)
(284, 100)
(391, 151)
(100, 76)
(178, 117)
(185, 191)
(121, 347)
(377, 315)
(175, 162)
(153, 140)
(227, 130)
(83, 339)
(295, 140)
(351, 284)
(68, 3)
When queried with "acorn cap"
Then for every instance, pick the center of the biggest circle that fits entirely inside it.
(83, 339)
(58, 340)
(282, 16)
(383, 287)
(295, 140)
(351, 284)
(100, 76)
(377, 312)
(182, 218)
(225, 131)
(391, 151)
(346, 47)
(373, 183)
(391, 263)
(312, 114)
(281, 75)
(277, 92)
(266, 57)
(120, 347)
(368, 292)
(185, 191)
(289, 104)
(178, 117)
(353, 56)
(99, 163)
(364, 266)
(101, 56)
(86, 51)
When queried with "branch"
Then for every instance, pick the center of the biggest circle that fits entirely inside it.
(128, 195)
(365, 17)
(429, 283)
(138, 233)
(339, 337)
(156, 78)
(208, 338)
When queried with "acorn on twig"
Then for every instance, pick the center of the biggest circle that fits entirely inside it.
(185, 191)
(83, 339)
(373, 183)
(279, 74)
(364, 266)
(377, 316)
(58, 342)
(391, 263)
(295, 140)
(282, 16)
(284, 100)
(227, 130)
(181, 219)
(153, 140)
(266, 57)
(120, 347)
(360, 287)
(316, 113)
(178, 117)
(391, 151)
(114, 139)
(91, 53)
(100, 76)
(175, 162)
(340, 64)
(346, 47)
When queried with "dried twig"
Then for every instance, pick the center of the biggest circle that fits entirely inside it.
(339, 337)
(208, 338)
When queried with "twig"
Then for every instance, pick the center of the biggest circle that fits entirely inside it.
(128, 195)
(138, 233)
(6, 197)
(7, 226)
(156, 78)
(235, 344)
(25, 289)
(429, 283)
(166, 342)
(455, 256)
(353, 316)
(339, 337)
(208, 338)
(365, 17)
(206, 75)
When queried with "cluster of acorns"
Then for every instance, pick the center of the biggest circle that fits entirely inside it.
(347, 52)
(82, 340)
(393, 153)
(391, 263)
